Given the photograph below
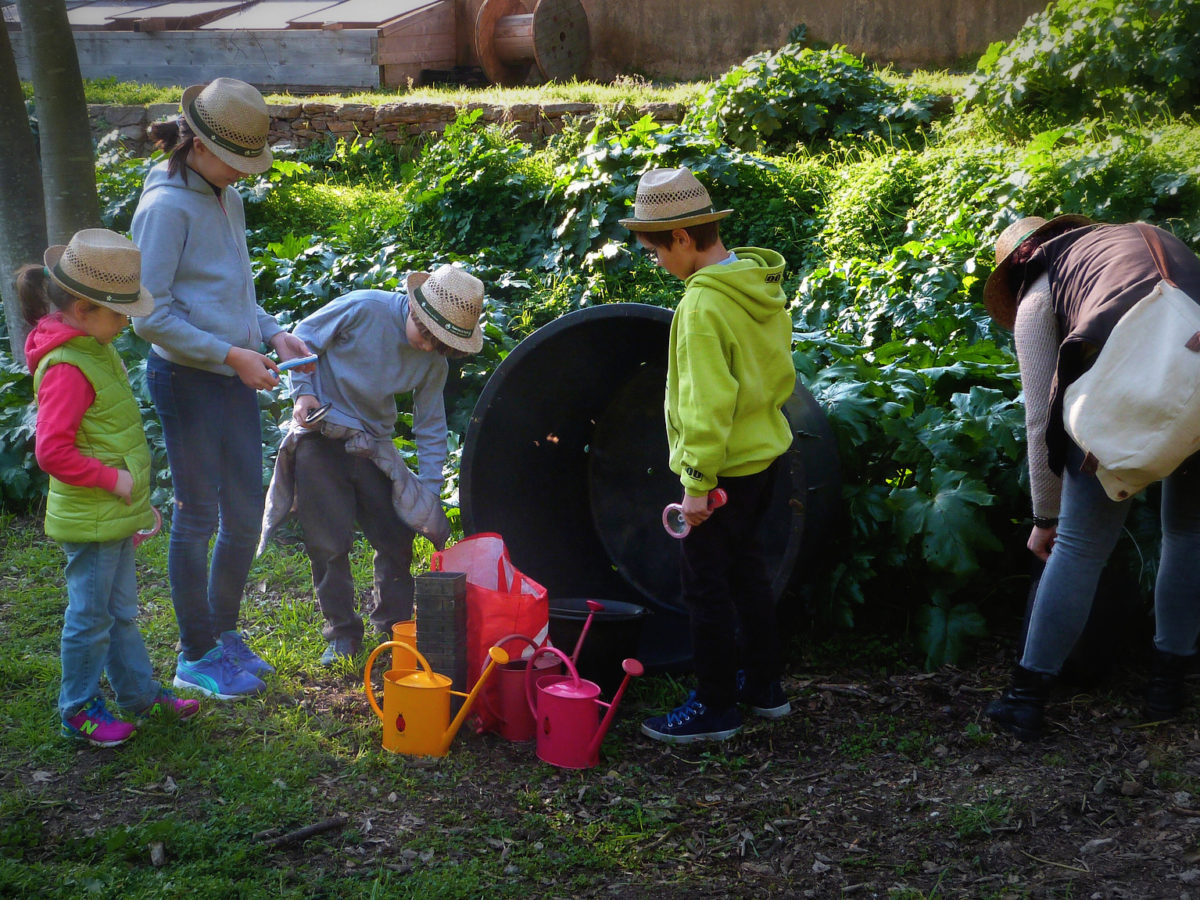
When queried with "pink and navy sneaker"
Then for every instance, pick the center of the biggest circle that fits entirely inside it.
(167, 704)
(95, 725)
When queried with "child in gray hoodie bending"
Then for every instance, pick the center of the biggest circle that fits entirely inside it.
(373, 345)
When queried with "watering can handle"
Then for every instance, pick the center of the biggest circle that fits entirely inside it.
(529, 667)
(371, 662)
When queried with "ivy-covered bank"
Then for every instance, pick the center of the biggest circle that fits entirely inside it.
(886, 205)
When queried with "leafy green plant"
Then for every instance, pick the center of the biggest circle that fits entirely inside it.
(802, 96)
(22, 483)
(1084, 58)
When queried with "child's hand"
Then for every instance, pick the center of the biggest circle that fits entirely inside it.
(288, 346)
(695, 509)
(255, 369)
(124, 486)
(305, 404)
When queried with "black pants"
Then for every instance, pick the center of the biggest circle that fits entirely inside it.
(333, 491)
(726, 586)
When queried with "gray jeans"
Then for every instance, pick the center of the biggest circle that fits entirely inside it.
(1088, 528)
(333, 491)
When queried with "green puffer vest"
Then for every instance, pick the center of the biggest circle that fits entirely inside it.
(111, 431)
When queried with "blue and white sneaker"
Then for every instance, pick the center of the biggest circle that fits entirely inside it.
(769, 702)
(235, 646)
(217, 675)
(693, 721)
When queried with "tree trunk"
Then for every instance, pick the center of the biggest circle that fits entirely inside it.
(68, 156)
(22, 216)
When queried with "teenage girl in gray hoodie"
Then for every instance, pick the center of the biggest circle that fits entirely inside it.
(205, 368)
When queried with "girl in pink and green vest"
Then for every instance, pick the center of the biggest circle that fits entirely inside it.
(91, 443)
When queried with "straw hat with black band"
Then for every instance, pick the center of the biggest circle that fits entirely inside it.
(671, 198)
(998, 295)
(448, 302)
(230, 118)
(101, 266)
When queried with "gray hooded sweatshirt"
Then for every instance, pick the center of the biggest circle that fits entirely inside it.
(196, 264)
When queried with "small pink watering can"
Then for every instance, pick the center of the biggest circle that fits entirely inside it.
(566, 712)
(674, 522)
(511, 708)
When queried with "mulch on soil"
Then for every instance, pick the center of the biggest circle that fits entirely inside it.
(885, 785)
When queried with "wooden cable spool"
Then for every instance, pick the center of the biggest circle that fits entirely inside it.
(508, 39)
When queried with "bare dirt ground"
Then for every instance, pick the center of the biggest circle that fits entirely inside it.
(878, 785)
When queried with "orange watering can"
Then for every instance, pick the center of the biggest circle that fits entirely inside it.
(416, 704)
(566, 711)
(405, 634)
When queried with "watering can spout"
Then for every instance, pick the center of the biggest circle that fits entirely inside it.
(498, 655)
(633, 669)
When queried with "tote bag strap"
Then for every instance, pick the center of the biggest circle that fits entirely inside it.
(1154, 245)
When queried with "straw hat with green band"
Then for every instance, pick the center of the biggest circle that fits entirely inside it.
(230, 118)
(449, 303)
(103, 267)
(998, 295)
(671, 198)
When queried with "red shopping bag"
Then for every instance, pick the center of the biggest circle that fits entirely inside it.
(501, 601)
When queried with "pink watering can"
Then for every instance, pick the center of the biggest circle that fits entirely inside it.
(511, 708)
(566, 712)
(674, 522)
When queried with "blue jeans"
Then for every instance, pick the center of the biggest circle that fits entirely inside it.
(99, 632)
(213, 435)
(1088, 528)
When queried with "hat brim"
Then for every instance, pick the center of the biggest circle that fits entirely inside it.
(672, 224)
(472, 344)
(999, 299)
(247, 165)
(142, 306)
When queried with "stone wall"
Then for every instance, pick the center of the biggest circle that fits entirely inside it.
(300, 124)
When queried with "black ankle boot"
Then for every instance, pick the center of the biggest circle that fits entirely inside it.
(1021, 711)
(1165, 693)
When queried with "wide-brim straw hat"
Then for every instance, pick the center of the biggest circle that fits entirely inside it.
(671, 198)
(230, 118)
(101, 266)
(448, 302)
(998, 295)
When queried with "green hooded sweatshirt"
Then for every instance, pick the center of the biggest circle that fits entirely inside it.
(730, 371)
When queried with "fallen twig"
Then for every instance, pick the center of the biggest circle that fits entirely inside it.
(1051, 862)
(307, 831)
(851, 690)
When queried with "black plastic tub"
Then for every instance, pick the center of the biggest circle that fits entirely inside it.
(615, 634)
(566, 456)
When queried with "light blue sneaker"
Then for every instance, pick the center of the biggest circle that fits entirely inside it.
(235, 646)
(217, 675)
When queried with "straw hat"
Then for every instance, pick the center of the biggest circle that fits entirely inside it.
(103, 267)
(449, 303)
(998, 296)
(671, 198)
(230, 118)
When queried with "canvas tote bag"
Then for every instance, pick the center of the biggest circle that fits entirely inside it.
(1136, 411)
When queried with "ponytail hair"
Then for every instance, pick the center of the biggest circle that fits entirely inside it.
(173, 136)
(37, 293)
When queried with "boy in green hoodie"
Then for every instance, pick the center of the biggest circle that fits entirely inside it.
(729, 373)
